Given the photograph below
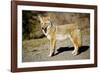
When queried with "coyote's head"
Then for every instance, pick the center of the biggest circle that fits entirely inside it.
(45, 22)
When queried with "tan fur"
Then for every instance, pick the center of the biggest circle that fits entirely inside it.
(60, 32)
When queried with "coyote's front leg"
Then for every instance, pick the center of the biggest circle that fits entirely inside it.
(52, 47)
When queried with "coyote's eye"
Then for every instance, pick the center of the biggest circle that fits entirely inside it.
(47, 23)
(42, 23)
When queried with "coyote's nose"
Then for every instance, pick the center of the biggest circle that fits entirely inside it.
(42, 28)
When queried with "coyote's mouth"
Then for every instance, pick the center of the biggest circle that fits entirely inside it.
(44, 29)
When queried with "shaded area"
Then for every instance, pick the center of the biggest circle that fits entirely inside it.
(63, 49)
(83, 49)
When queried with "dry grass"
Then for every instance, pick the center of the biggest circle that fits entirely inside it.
(34, 43)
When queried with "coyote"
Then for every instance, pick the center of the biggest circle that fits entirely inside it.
(60, 32)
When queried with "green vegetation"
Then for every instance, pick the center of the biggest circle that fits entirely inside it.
(31, 26)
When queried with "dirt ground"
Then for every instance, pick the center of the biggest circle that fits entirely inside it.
(63, 51)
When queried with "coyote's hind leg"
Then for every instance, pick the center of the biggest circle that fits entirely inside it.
(74, 39)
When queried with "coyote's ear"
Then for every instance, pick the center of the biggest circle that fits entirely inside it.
(48, 17)
(39, 17)
(51, 24)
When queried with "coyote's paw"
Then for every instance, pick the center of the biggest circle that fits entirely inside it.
(74, 53)
(51, 54)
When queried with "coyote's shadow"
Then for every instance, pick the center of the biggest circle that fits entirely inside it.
(63, 49)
